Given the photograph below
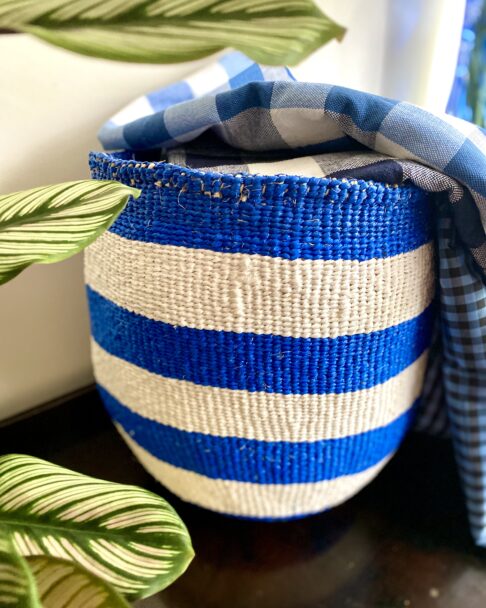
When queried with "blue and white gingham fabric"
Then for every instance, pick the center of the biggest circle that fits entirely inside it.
(252, 109)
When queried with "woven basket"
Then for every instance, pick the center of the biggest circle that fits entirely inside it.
(260, 342)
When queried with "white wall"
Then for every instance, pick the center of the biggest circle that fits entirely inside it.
(52, 103)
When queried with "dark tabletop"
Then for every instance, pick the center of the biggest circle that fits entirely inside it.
(403, 541)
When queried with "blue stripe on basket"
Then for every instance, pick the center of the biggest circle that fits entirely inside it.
(325, 219)
(257, 362)
(264, 462)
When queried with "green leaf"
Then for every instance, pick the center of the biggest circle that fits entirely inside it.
(129, 537)
(63, 583)
(17, 584)
(47, 582)
(273, 32)
(52, 223)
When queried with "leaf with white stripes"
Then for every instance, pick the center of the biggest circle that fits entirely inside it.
(127, 536)
(273, 32)
(63, 584)
(17, 584)
(52, 223)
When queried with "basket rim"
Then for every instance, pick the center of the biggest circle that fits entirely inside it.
(146, 172)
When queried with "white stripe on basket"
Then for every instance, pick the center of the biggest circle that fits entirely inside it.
(256, 415)
(258, 294)
(252, 499)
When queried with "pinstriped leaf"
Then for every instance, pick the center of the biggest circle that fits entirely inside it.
(63, 584)
(273, 32)
(17, 585)
(127, 536)
(47, 582)
(52, 223)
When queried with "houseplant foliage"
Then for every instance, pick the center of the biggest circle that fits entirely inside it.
(46, 582)
(168, 31)
(52, 223)
(17, 582)
(62, 583)
(66, 538)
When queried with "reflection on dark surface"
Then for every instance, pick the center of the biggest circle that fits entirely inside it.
(401, 542)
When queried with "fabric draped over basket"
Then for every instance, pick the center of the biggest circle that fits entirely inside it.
(351, 145)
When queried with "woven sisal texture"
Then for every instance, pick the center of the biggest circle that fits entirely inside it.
(261, 341)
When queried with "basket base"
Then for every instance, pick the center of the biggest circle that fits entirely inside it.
(254, 501)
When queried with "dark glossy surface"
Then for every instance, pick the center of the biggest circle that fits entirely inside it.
(402, 542)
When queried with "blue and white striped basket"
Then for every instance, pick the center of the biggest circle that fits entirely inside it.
(261, 342)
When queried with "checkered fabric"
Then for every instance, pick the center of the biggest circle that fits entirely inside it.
(463, 306)
(250, 116)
